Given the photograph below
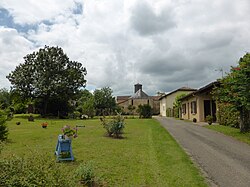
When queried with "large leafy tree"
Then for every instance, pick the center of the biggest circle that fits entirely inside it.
(104, 101)
(48, 74)
(235, 89)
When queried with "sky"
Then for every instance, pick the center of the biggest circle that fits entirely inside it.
(161, 44)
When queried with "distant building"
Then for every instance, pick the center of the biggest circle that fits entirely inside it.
(138, 98)
(167, 101)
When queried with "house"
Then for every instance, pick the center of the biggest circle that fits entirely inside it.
(138, 98)
(199, 104)
(167, 101)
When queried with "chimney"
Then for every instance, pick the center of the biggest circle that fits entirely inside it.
(138, 87)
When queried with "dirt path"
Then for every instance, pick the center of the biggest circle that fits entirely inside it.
(225, 161)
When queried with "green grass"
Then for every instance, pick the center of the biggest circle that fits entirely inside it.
(146, 156)
(230, 131)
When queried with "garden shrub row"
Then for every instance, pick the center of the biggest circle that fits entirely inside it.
(42, 170)
(227, 115)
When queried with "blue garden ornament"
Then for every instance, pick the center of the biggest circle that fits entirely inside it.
(63, 149)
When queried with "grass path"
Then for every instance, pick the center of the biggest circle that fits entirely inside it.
(146, 156)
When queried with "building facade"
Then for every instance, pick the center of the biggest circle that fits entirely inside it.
(138, 98)
(198, 105)
(167, 101)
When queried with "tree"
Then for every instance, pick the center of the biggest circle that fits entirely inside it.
(104, 102)
(85, 104)
(48, 74)
(234, 89)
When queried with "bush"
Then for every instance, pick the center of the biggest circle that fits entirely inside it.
(209, 119)
(227, 115)
(85, 174)
(3, 127)
(145, 111)
(114, 127)
(35, 170)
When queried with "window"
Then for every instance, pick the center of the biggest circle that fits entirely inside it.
(193, 107)
(183, 108)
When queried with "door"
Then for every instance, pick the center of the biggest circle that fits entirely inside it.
(210, 109)
(207, 108)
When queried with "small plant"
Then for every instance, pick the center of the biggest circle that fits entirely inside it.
(65, 154)
(85, 174)
(30, 118)
(69, 132)
(209, 119)
(114, 127)
(44, 125)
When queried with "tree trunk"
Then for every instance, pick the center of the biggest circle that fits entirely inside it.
(45, 106)
(244, 120)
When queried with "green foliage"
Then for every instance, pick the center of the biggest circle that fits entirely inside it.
(209, 119)
(145, 111)
(88, 107)
(36, 170)
(5, 99)
(104, 102)
(227, 115)
(115, 126)
(3, 127)
(168, 112)
(85, 103)
(177, 105)
(234, 89)
(85, 174)
(48, 74)
(69, 132)
(131, 109)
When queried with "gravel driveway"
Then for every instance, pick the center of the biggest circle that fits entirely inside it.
(224, 160)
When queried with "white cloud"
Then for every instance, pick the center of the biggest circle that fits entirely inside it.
(12, 48)
(163, 44)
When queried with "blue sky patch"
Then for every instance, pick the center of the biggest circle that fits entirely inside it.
(78, 8)
(7, 21)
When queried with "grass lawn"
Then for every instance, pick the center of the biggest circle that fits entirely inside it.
(230, 131)
(146, 156)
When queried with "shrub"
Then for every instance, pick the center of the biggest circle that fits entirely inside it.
(3, 127)
(114, 127)
(35, 170)
(209, 119)
(145, 111)
(85, 174)
(227, 115)
(30, 118)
